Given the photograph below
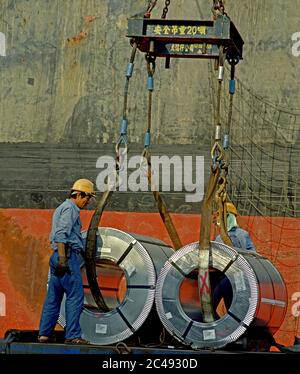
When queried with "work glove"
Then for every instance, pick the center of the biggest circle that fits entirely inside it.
(62, 267)
(82, 253)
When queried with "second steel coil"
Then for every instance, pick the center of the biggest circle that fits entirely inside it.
(259, 297)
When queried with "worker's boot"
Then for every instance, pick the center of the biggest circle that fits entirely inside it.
(76, 341)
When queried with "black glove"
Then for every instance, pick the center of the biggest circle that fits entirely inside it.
(62, 267)
(82, 253)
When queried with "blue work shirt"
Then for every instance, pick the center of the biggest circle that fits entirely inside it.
(66, 226)
(240, 239)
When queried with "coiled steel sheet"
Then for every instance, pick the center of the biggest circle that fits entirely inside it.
(127, 269)
(258, 296)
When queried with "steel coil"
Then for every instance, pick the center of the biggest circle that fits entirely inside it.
(138, 261)
(259, 297)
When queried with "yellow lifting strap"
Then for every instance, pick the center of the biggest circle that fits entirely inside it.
(205, 249)
(91, 246)
(216, 190)
(161, 205)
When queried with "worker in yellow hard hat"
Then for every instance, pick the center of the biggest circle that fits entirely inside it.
(240, 238)
(231, 208)
(83, 190)
(67, 243)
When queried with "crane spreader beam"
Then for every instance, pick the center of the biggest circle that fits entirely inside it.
(184, 38)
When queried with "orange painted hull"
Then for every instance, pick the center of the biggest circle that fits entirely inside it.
(25, 253)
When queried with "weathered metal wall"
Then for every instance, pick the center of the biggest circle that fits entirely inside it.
(62, 78)
(62, 70)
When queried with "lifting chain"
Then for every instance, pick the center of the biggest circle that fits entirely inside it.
(218, 8)
(151, 6)
(166, 9)
(219, 157)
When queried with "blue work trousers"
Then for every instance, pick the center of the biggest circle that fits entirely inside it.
(71, 285)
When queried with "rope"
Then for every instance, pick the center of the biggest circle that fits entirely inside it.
(122, 348)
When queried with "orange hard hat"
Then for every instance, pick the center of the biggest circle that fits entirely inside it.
(84, 185)
(231, 208)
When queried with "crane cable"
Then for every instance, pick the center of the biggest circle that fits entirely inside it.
(121, 151)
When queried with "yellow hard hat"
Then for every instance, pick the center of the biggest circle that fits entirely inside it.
(84, 185)
(231, 209)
